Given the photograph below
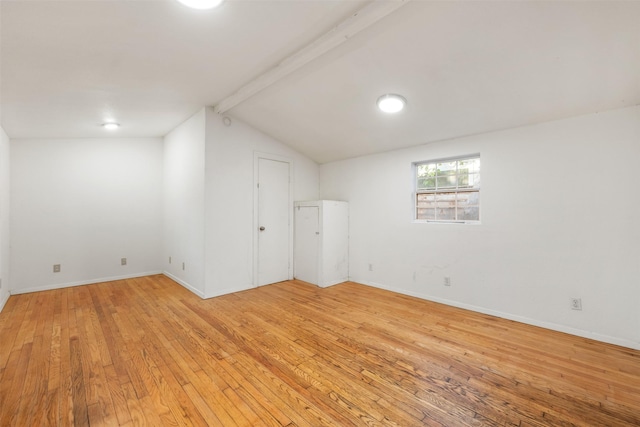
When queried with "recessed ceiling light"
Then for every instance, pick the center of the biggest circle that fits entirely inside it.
(111, 126)
(391, 103)
(201, 4)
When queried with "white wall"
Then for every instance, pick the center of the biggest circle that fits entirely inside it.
(184, 182)
(5, 171)
(229, 199)
(84, 204)
(559, 219)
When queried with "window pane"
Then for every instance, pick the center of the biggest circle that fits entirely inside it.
(428, 169)
(446, 214)
(469, 166)
(447, 168)
(447, 181)
(446, 200)
(463, 181)
(426, 176)
(426, 201)
(469, 214)
(426, 214)
(470, 180)
(474, 180)
(468, 199)
(426, 183)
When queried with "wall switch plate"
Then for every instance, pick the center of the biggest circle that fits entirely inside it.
(447, 281)
(576, 303)
(123, 261)
(56, 268)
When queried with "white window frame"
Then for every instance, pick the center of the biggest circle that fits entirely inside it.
(450, 190)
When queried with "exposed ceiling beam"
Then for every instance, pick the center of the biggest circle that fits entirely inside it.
(365, 17)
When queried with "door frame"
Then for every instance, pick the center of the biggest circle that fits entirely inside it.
(257, 155)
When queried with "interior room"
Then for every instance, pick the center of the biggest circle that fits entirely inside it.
(319, 212)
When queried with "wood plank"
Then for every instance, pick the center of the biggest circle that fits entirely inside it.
(146, 351)
(117, 395)
(79, 383)
(203, 408)
(12, 387)
(12, 318)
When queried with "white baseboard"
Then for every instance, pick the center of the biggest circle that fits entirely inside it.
(184, 284)
(526, 320)
(81, 283)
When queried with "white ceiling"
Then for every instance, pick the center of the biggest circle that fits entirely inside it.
(465, 68)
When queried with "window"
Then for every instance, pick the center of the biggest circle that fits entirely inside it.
(448, 190)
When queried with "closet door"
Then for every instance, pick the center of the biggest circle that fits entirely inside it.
(306, 243)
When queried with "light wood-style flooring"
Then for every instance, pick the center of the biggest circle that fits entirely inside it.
(148, 352)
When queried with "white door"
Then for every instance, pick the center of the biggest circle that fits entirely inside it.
(306, 241)
(274, 211)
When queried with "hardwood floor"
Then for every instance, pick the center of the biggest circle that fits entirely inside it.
(148, 352)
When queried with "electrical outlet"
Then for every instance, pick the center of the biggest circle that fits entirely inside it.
(169, 260)
(576, 303)
(447, 281)
(123, 261)
(183, 265)
(56, 268)
(370, 267)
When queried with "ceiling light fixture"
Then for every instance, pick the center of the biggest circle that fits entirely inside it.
(111, 126)
(391, 103)
(201, 4)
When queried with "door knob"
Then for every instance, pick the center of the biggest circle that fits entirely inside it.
(262, 228)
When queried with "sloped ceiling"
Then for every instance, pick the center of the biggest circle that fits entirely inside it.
(464, 67)
(69, 65)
